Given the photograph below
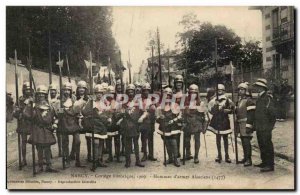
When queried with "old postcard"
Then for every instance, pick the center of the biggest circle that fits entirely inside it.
(198, 98)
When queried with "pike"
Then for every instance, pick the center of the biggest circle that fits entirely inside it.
(91, 94)
(109, 69)
(18, 104)
(29, 60)
(68, 68)
(234, 117)
(60, 64)
(161, 92)
(204, 134)
(185, 120)
(121, 72)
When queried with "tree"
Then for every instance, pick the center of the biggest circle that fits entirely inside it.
(73, 30)
(250, 56)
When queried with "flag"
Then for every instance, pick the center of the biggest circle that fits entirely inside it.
(88, 64)
(60, 63)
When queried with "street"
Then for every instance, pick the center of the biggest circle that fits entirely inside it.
(206, 175)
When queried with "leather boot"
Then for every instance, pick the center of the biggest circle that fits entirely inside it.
(176, 162)
(227, 159)
(144, 158)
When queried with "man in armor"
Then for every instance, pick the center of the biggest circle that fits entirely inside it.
(245, 110)
(131, 116)
(147, 123)
(45, 123)
(24, 127)
(68, 125)
(113, 129)
(220, 125)
(178, 91)
(196, 118)
(168, 116)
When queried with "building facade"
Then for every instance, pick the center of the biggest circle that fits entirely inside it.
(278, 41)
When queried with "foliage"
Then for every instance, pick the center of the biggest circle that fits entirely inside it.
(74, 31)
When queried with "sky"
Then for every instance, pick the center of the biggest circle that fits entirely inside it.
(132, 24)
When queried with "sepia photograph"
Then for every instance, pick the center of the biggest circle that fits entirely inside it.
(150, 97)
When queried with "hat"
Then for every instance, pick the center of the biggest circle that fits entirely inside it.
(262, 83)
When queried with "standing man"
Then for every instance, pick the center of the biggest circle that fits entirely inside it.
(24, 127)
(265, 119)
(195, 114)
(113, 129)
(54, 102)
(178, 91)
(131, 133)
(220, 125)
(146, 124)
(245, 110)
(168, 116)
(68, 125)
(45, 123)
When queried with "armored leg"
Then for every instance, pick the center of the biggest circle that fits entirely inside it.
(128, 149)
(144, 144)
(225, 139)
(169, 150)
(109, 147)
(136, 151)
(218, 141)
(117, 147)
(24, 143)
(65, 147)
(197, 147)
(174, 145)
(187, 140)
(89, 148)
(73, 149)
(40, 157)
(58, 135)
(151, 146)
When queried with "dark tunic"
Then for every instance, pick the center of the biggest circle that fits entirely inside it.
(149, 117)
(195, 119)
(42, 132)
(170, 114)
(129, 124)
(220, 123)
(24, 124)
(245, 115)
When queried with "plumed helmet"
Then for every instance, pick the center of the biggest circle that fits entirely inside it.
(146, 86)
(99, 89)
(221, 87)
(168, 91)
(193, 89)
(111, 89)
(178, 78)
(42, 89)
(82, 84)
(130, 87)
(243, 86)
(52, 87)
(26, 85)
(67, 85)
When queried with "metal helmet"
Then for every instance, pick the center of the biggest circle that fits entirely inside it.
(118, 82)
(52, 87)
(99, 89)
(178, 78)
(104, 85)
(221, 87)
(130, 87)
(243, 86)
(26, 85)
(67, 85)
(168, 91)
(111, 89)
(193, 88)
(82, 84)
(146, 86)
(137, 84)
(42, 89)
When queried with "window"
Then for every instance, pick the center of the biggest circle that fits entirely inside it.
(268, 59)
(268, 27)
(275, 18)
(269, 49)
(268, 38)
(267, 16)
(284, 20)
(283, 7)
